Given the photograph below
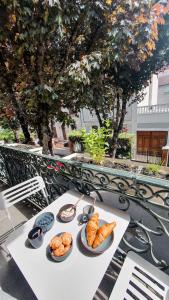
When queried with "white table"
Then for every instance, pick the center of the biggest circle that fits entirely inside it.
(79, 276)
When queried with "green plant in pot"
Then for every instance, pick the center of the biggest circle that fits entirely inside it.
(75, 135)
(75, 138)
(96, 142)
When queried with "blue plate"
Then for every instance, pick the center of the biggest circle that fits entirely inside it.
(103, 247)
(45, 221)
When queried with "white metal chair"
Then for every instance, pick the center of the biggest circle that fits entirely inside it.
(23, 190)
(5, 296)
(140, 280)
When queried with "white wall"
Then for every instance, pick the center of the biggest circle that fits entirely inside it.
(163, 94)
(59, 131)
(157, 95)
(153, 90)
(151, 93)
(87, 120)
(153, 122)
(131, 118)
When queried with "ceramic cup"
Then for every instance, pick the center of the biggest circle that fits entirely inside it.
(88, 211)
(35, 237)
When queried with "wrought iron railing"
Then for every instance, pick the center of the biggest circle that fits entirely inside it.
(145, 198)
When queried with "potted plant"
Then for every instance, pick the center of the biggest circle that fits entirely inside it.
(76, 141)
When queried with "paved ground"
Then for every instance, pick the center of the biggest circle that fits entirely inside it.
(11, 279)
(138, 163)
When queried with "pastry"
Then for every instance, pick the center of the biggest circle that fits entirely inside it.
(66, 239)
(102, 233)
(55, 242)
(59, 245)
(59, 251)
(66, 249)
(91, 229)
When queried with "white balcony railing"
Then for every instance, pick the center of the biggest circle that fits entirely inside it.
(161, 108)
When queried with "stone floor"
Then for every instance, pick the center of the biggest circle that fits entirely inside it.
(12, 281)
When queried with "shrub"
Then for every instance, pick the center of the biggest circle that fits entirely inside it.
(123, 148)
(153, 169)
(21, 137)
(95, 142)
(126, 135)
(7, 135)
(126, 142)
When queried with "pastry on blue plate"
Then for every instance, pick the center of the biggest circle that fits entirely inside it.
(60, 245)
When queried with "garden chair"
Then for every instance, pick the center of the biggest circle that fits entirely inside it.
(138, 279)
(22, 191)
(5, 296)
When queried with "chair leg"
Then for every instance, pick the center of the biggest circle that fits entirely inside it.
(9, 218)
(45, 195)
(5, 249)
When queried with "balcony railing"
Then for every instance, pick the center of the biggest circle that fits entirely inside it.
(161, 108)
(145, 198)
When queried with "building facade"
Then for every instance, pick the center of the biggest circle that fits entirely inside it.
(149, 120)
(153, 118)
(87, 120)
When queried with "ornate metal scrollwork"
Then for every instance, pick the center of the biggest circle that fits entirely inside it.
(144, 198)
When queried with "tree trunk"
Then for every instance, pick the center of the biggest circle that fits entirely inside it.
(43, 130)
(50, 146)
(45, 139)
(120, 115)
(114, 144)
(53, 128)
(45, 143)
(25, 130)
(40, 133)
(64, 131)
(99, 117)
(16, 136)
(21, 120)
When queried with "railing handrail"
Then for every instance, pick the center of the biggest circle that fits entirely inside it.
(143, 179)
(149, 109)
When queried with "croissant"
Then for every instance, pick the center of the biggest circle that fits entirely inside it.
(102, 233)
(91, 229)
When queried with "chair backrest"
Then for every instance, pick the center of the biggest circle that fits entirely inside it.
(5, 296)
(138, 279)
(22, 191)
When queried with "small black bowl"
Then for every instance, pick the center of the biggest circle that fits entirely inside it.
(35, 237)
(63, 257)
(66, 219)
